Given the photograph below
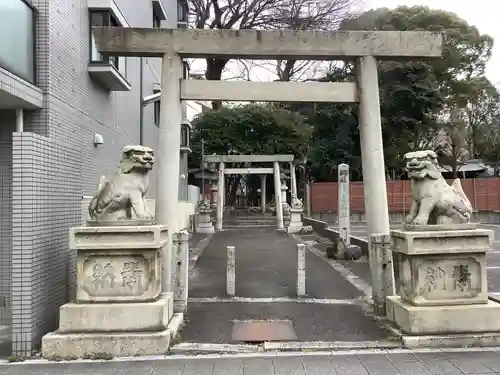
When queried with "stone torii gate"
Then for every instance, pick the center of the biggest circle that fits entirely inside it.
(275, 170)
(364, 46)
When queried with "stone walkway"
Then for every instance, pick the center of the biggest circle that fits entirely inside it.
(429, 363)
(266, 269)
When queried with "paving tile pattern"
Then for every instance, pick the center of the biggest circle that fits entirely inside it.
(442, 363)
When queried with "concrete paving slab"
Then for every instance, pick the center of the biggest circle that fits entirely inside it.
(195, 239)
(266, 266)
(212, 322)
(459, 362)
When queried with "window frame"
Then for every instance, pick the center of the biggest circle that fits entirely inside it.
(182, 11)
(108, 20)
(156, 110)
(13, 70)
(156, 20)
(185, 134)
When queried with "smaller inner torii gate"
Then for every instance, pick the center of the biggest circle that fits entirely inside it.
(275, 170)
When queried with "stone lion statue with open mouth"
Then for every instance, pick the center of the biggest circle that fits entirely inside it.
(434, 201)
(123, 196)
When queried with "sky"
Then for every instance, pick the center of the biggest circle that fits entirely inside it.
(484, 14)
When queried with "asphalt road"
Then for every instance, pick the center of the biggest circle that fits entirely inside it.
(493, 258)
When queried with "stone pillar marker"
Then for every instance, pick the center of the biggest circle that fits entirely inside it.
(168, 156)
(213, 198)
(263, 197)
(293, 180)
(277, 197)
(220, 198)
(231, 271)
(180, 279)
(301, 270)
(284, 189)
(344, 214)
(286, 207)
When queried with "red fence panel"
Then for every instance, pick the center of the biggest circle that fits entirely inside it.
(483, 193)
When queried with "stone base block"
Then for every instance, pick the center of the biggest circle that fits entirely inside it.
(294, 228)
(431, 320)
(116, 317)
(79, 345)
(205, 228)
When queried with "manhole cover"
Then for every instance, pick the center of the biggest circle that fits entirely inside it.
(263, 330)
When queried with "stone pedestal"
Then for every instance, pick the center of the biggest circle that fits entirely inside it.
(296, 224)
(119, 310)
(441, 277)
(205, 222)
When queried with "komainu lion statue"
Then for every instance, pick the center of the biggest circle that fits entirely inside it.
(434, 201)
(122, 197)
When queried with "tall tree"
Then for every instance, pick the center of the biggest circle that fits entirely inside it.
(451, 142)
(488, 144)
(250, 129)
(266, 14)
(481, 110)
(455, 77)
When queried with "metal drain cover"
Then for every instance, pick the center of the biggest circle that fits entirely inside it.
(263, 330)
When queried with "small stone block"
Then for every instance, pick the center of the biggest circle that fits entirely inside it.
(205, 228)
(440, 242)
(352, 252)
(430, 320)
(439, 227)
(116, 317)
(118, 237)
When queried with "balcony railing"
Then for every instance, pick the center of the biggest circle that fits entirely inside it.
(17, 38)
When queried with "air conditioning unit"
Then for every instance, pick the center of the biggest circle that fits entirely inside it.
(182, 25)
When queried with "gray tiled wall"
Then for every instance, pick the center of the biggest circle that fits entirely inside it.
(46, 196)
(55, 161)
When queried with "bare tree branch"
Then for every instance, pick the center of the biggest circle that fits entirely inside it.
(268, 15)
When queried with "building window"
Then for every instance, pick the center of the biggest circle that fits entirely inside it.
(102, 18)
(156, 114)
(185, 134)
(182, 11)
(17, 38)
(185, 70)
(156, 110)
(156, 20)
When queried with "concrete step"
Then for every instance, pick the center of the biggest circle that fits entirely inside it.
(249, 226)
(243, 223)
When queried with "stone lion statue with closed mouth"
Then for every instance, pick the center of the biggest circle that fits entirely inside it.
(123, 196)
(434, 201)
